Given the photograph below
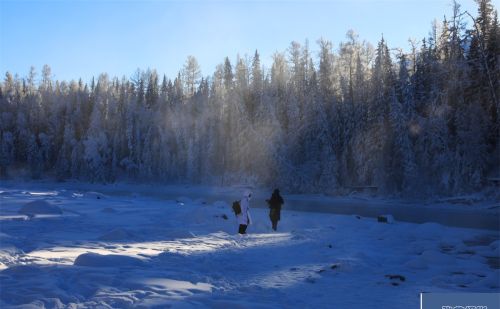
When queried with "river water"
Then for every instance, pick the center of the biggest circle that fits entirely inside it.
(465, 218)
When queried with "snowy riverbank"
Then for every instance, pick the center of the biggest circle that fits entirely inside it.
(124, 247)
(472, 211)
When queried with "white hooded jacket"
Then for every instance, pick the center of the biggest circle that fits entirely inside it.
(244, 217)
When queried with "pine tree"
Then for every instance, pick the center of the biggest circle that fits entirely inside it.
(6, 152)
(191, 75)
(34, 158)
(96, 145)
(256, 87)
(228, 74)
(152, 91)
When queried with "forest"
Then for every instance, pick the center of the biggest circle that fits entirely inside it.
(417, 123)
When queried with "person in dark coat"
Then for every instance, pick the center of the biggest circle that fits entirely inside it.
(275, 203)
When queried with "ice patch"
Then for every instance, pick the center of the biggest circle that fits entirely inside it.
(40, 207)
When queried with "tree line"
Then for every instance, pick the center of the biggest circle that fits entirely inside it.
(422, 122)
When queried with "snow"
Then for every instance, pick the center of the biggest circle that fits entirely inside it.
(116, 235)
(107, 260)
(129, 248)
(495, 246)
(40, 207)
(95, 195)
(389, 219)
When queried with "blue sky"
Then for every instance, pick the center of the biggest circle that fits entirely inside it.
(84, 38)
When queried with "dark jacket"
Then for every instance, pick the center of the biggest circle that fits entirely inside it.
(275, 203)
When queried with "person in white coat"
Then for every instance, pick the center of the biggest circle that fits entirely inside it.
(244, 218)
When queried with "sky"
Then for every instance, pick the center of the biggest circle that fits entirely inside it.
(81, 39)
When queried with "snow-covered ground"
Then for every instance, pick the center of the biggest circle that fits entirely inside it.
(64, 246)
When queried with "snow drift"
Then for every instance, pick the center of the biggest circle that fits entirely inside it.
(110, 260)
(40, 207)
